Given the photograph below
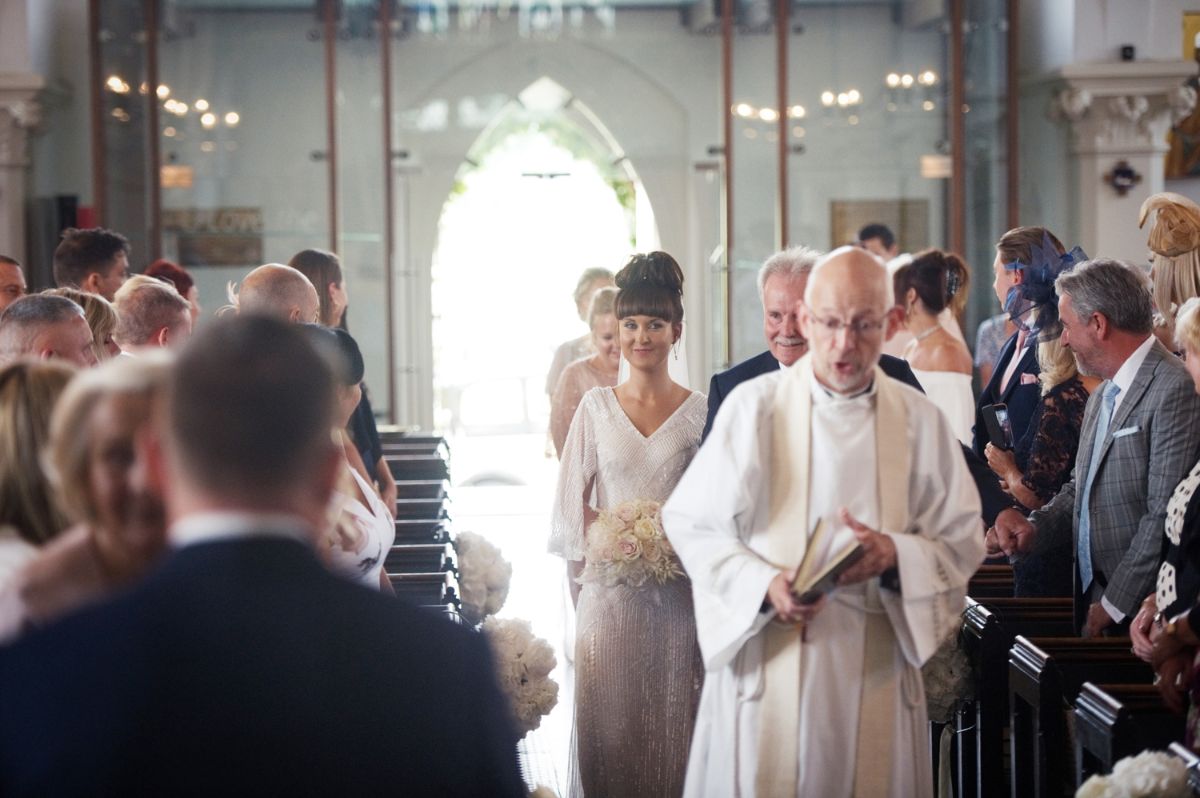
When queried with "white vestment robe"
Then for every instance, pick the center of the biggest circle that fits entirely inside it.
(717, 520)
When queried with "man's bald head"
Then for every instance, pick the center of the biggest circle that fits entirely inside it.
(281, 292)
(849, 312)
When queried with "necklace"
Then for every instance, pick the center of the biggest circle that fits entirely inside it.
(921, 336)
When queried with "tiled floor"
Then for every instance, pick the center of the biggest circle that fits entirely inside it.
(516, 518)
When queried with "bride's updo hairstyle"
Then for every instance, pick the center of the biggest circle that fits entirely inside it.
(651, 285)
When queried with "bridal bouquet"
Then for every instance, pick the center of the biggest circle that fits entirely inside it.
(947, 677)
(626, 545)
(1150, 773)
(483, 576)
(523, 665)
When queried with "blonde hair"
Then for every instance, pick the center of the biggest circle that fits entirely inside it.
(1175, 240)
(101, 316)
(1056, 362)
(1187, 326)
(70, 440)
(604, 302)
(28, 391)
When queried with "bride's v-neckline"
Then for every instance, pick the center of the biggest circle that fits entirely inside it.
(612, 394)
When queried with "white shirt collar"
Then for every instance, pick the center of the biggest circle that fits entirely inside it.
(1123, 379)
(232, 525)
(822, 395)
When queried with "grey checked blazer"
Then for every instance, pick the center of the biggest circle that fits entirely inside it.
(1152, 443)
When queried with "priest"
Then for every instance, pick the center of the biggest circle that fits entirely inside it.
(824, 698)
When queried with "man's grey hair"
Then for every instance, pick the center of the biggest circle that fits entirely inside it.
(792, 263)
(144, 306)
(1116, 289)
(24, 320)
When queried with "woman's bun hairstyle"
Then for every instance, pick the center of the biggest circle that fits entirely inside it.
(651, 285)
(939, 278)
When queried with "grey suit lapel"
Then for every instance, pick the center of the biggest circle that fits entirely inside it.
(1141, 384)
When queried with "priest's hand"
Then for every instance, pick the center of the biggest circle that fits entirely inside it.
(879, 552)
(1014, 533)
(787, 608)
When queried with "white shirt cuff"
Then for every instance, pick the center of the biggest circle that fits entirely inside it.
(1112, 611)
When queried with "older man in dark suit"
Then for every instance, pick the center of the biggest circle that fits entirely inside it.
(781, 283)
(242, 666)
(1140, 437)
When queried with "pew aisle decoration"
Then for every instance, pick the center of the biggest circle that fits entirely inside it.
(947, 677)
(483, 576)
(626, 546)
(1150, 774)
(523, 666)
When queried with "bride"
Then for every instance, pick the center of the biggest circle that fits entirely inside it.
(638, 669)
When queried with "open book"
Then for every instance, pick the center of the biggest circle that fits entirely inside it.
(830, 553)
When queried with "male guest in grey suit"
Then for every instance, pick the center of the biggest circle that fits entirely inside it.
(1140, 437)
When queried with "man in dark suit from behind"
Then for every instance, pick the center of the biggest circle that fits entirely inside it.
(781, 283)
(241, 666)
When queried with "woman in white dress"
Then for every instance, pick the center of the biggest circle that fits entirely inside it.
(638, 668)
(931, 283)
(362, 529)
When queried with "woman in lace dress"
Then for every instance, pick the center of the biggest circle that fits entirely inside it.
(600, 369)
(932, 282)
(638, 668)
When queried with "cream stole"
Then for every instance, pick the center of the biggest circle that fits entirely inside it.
(787, 538)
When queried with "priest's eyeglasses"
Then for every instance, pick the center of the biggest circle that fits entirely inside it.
(860, 328)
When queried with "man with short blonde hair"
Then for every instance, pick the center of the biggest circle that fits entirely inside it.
(150, 313)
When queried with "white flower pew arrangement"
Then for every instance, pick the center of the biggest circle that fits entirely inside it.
(483, 576)
(523, 666)
(1150, 774)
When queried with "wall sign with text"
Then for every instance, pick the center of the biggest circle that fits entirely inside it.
(214, 236)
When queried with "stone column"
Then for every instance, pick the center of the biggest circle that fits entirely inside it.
(18, 113)
(1119, 115)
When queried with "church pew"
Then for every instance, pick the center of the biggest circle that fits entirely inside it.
(433, 590)
(979, 724)
(422, 530)
(991, 581)
(420, 558)
(1191, 761)
(1113, 721)
(422, 508)
(417, 466)
(1045, 675)
(422, 489)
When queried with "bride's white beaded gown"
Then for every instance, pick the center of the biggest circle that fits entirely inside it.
(638, 671)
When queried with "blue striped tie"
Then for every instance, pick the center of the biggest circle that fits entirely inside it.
(1084, 552)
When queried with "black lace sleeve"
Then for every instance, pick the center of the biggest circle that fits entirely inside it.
(1052, 454)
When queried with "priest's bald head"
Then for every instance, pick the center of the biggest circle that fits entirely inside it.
(848, 312)
(281, 292)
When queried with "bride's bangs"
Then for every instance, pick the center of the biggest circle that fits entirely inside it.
(648, 299)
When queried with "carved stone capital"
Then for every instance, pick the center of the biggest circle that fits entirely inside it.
(1123, 108)
(19, 111)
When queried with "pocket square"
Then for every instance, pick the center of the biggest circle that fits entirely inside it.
(1121, 433)
(1029, 379)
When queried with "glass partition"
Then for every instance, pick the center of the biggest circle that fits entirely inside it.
(243, 138)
